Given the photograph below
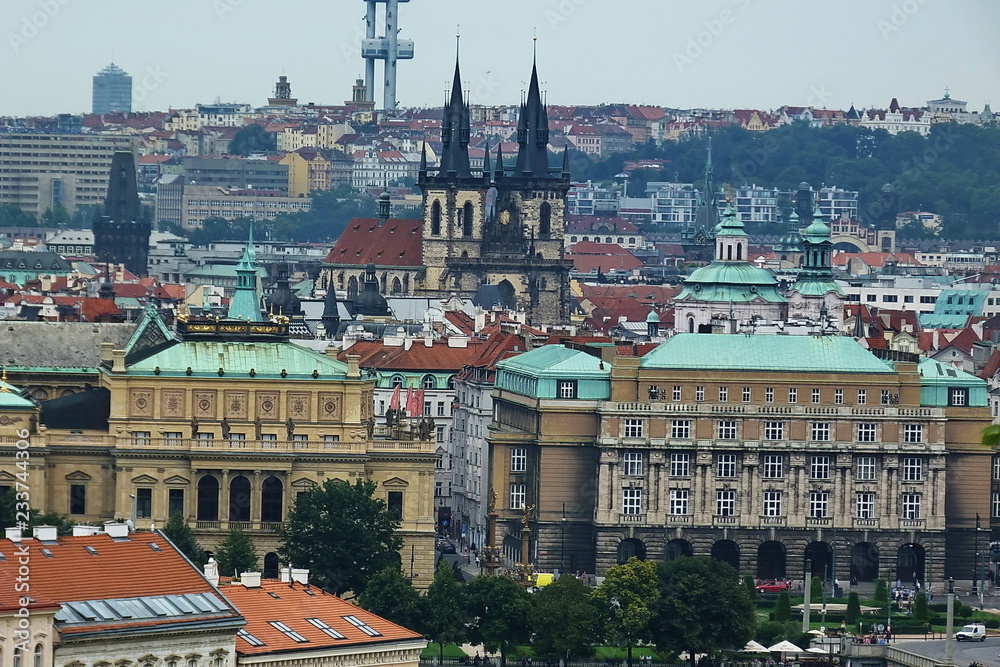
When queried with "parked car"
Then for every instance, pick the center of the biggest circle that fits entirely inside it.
(972, 632)
(772, 587)
(446, 547)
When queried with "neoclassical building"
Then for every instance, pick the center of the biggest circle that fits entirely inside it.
(772, 453)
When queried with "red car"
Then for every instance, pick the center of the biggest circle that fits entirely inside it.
(771, 587)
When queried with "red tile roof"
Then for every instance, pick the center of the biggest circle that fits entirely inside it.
(437, 357)
(396, 243)
(604, 263)
(292, 604)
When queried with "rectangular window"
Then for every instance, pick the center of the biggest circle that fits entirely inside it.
(206, 437)
(774, 466)
(864, 506)
(361, 625)
(958, 396)
(175, 501)
(819, 467)
(172, 438)
(518, 459)
(634, 428)
(632, 464)
(995, 504)
(427, 408)
(865, 469)
(838, 396)
(819, 504)
(793, 395)
(727, 430)
(913, 469)
(77, 499)
(815, 395)
(325, 627)
(886, 394)
(774, 430)
(723, 394)
(725, 502)
(911, 505)
(725, 465)
(699, 394)
(821, 431)
(680, 465)
(140, 438)
(678, 501)
(632, 501)
(680, 428)
(867, 432)
(567, 388)
(913, 432)
(772, 503)
(746, 394)
(143, 503)
(996, 467)
(862, 396)
(677, 393)
(769, 395)
(440, 409)
(517, 496)
(394, 502)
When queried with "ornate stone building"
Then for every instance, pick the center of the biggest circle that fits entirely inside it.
(769, 452)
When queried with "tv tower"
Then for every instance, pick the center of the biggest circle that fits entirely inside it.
(388, 48)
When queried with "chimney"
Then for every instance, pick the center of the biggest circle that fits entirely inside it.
(212, 572)
(353, 365)
(285, 575)
(45, 533)
(118, 361)
(13, 533)
(84, 530)
(106, 348)
(250, 579)
(116, 530)
(429, 341)
(301, 575)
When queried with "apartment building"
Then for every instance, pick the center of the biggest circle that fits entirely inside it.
(199, 202)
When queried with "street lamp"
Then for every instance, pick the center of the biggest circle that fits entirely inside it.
(949, 642)
(562, 541)
(978, 574)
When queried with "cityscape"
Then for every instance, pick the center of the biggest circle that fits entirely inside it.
(312, 361)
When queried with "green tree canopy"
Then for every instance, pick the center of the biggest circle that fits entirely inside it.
(253, 139)
(497, 609)
(702, 608)
(881, 594)
(56, 216)
(853, 612)
(783, 608)
(178, 532)
(8, 507)
(564, 619)
(237, 554)
(12, 216)
(392, 596)
(921, 612)
(343, 534)
(444, 622)
(624, 603)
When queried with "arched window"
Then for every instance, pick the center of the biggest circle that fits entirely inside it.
(270, 565)
(729, 252)
(17, 659)
(451, 382)
(352, 288)
(406, 282)
(545, 219)
(208, 498)
(436, 218)
(429, 382)
(572, 239)
(467, 219)
(239, 499)
(397, 287)
(690, 325)
(271, 492)
(39, 649)
(397, 381)
(739, 251)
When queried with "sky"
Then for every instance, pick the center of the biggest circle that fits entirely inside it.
(681, 54)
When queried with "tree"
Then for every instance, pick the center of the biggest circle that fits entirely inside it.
(64, 526)
(177, 531)
(497, 608)
(702, 608)
(783, 608)
(816, 589)
(444, 618)
(624, 603)
(236, 554)
(343, 534)
(921, 613)
(253, 139)
(392, 596)
(751, 586)
(853, 612)
(564, 619)
(881, 594)
(56, 216)
(12, 216)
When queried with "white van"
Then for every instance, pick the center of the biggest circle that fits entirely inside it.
(972, 632)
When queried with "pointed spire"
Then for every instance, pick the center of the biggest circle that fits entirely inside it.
(245, 304)
(533, 133)
(498, 169)
(486, 161)
(455, 131)
(423, 159)
(565, 161)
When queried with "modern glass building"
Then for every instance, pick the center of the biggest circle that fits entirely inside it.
(112, 90)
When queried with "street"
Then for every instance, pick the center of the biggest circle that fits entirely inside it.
(965, 652)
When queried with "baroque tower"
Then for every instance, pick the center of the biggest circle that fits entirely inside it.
(502, 225)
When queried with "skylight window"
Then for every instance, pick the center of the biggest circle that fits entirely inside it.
(91, 550)
(154, 546)
(361, 625)
(325, 627)
(288, 631)
(47, 553)
(249, 638)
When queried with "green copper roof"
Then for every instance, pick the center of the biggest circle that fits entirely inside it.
(952, 308)
(731, 281)
(267, 359)
(10, 398)
(808, 287)
(818, 230)
(937, 380)
(730, 225)
(245, 304)
(799, 354)
(553, 360)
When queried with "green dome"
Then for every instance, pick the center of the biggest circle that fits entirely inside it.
(731, 281)
(818, 230)
(730, 225)
(10, 397)
(652, 317)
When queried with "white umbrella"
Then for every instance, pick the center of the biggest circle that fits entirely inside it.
(819, 633)
(785, 647)
(817, 649)
(754, 647)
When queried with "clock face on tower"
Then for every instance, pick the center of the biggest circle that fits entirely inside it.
(505, 217)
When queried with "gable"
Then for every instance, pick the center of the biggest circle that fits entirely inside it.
(144, 479)
(304, 483)
(176, 479)
(78, 476)
(395, 483)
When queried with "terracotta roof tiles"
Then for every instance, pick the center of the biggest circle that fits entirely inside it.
(396, 243)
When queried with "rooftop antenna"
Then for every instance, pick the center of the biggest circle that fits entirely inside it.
(534, 45)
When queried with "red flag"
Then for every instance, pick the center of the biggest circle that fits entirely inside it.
(419, 400)
(409, 401)
(394, 402)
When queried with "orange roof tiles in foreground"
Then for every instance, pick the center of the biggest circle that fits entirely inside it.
(284, 617)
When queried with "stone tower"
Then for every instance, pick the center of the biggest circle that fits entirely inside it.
(121, 231)
(499, 226)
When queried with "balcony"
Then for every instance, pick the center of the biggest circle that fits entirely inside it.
(911, 523)
(633, 518)
(866, 523)
(728, 520)
(709, 408)
(818, 522)
(773, 521)
(678, 519)
(221, 445)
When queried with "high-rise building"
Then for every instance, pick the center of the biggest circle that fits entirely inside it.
(112, 90)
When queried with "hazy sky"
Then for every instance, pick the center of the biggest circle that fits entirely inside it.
(725, 53)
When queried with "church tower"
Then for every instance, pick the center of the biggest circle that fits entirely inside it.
(815, 294)
(121, 230)
(501, 226)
